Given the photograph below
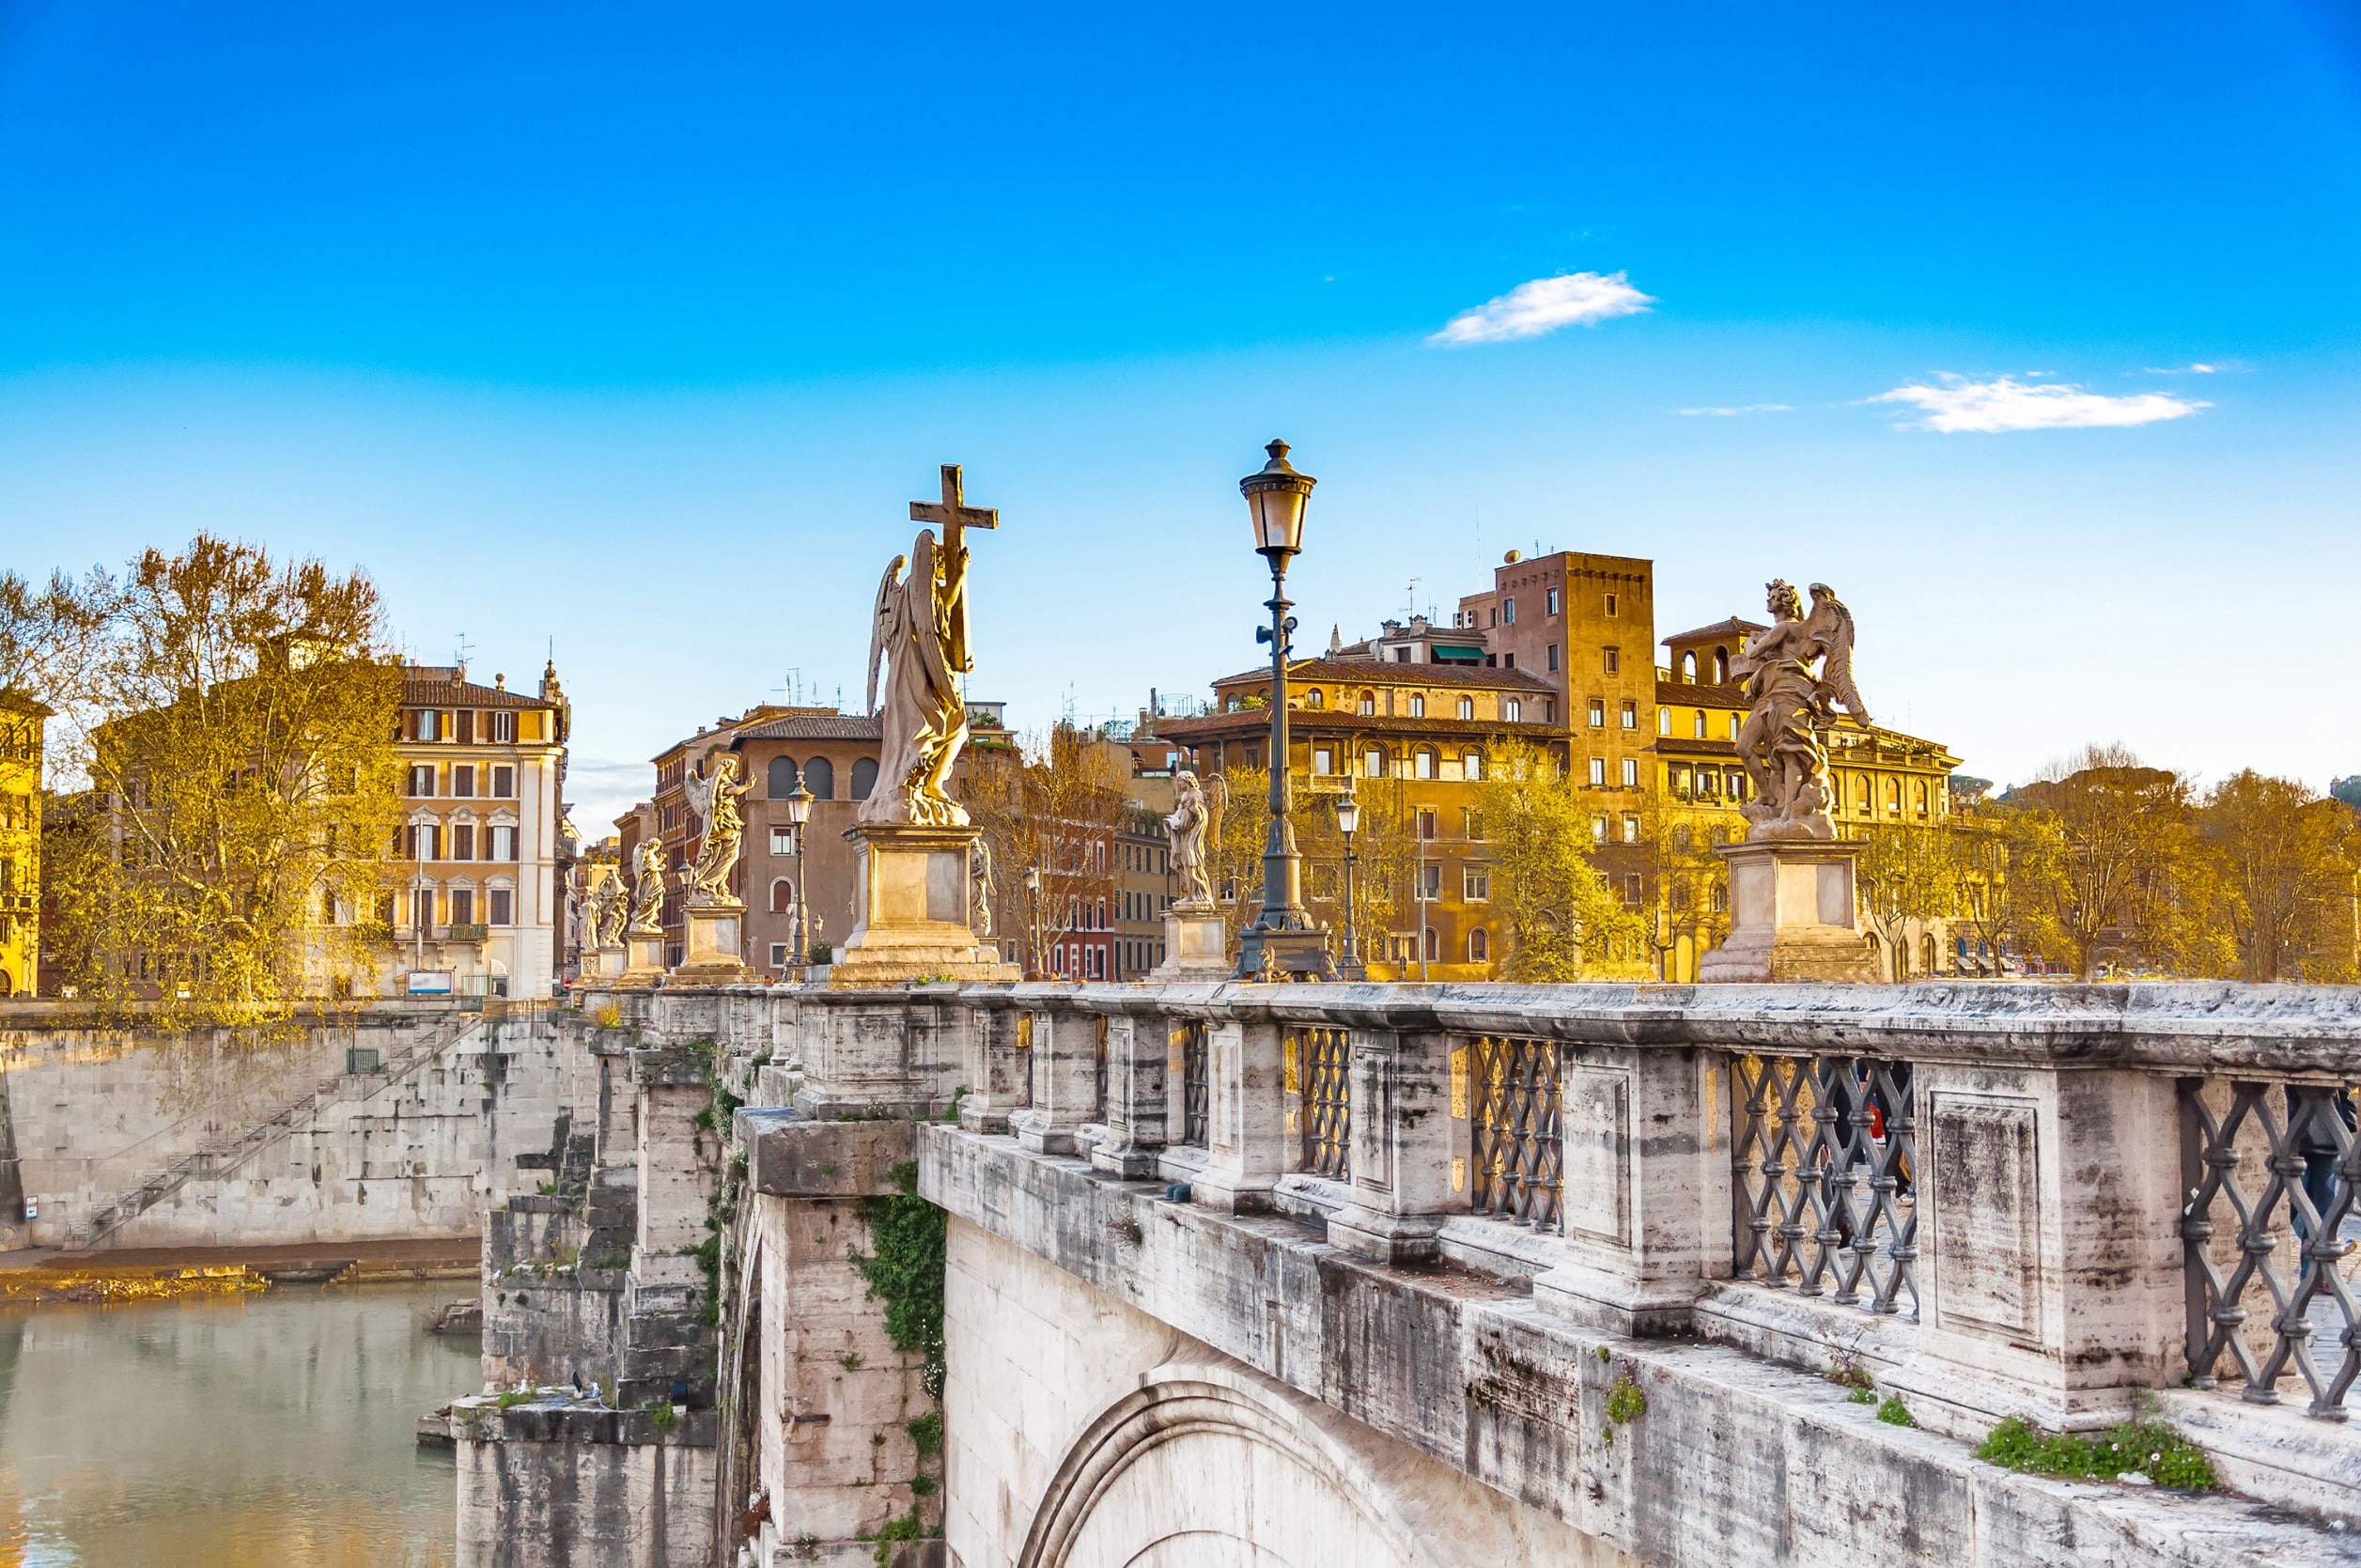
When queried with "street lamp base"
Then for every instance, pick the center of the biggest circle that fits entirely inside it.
(1284, 956)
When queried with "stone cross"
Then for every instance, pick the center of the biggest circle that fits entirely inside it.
(952, 512)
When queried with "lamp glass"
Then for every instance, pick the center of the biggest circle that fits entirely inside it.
(1347, 814)
(798, 804)
(1275, 499)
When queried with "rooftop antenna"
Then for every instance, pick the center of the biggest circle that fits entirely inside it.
(459, 653)
(790, 688)
(1411, 593)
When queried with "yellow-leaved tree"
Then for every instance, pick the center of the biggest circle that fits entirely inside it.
(1562, 921)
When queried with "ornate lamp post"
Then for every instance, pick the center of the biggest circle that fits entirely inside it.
(1348, 819)
(1282, 941)
(798, 802)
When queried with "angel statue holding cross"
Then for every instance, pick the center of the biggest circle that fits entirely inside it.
(1790, 708)
(920, 630)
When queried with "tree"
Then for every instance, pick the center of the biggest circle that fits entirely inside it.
(1052, 807)
(244, 787)
(1987, 892)
(2103, 857)
(1562, 920)
(1906, 873)
(2284, 876)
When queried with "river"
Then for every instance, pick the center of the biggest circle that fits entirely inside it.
(256, 1431)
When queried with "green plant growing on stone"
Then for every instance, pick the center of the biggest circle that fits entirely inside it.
(1625, 1402)
(1854, 1379)
(909, 1527)
(1895, 1413)
(926, 1433)
(905, 1271)
(851, 1362)
(2144, 1445)
(662, 1416)
(513, 1397)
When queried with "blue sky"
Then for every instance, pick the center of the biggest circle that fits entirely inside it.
(637, 327)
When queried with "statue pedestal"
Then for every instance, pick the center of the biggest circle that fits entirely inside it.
(1194, 945)
(644, 960)
(606, 963)
(714, 931)
(1792, 914)
(912, 894)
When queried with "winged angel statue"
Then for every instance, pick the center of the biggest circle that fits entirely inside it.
(921, 631)
(714, 798)
(1783, 742)
(1196, 817)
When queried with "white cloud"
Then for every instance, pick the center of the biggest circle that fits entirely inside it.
(1543, 306)
(1734, 413)
(1957, 405)
(2200, 369)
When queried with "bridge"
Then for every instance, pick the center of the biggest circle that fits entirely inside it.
(1437, 1275)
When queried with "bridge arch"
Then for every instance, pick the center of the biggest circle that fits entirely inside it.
(1213, 1464)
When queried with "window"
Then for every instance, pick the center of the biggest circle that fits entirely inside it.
(1418, 705)
(1513, 709)
(1681, 782)
(1430, 882)
(1631, 890)
(1475, 883)
(1426, 822)
(1697, 725)
(1920, 796)
(1610, 604)
(1733, 726)
(1689, 669)
(1471, 823)
(1402, 656)
(781, 896)
(422, 907)
(503, 906)
(1681, 839)
(420, 779)
(464, 731)
(1598, 829)
(1631, 829)
(1598, 772)
(463, 843)
(429, 727)
(1631, 714)
(1323, 760)
(1614, 657)
(1721, 897)
(1434, 947)
(503, 726)
(1631, 773)
(1552, 599)
(1467, 707)
(819, 777)
(504, 783)
(426, 842)
(1372, 763)
(864, 777)
(1314, 699)
(778, 955)
(1553, 655)
(1479, 947)
(1708, 784)
(1508, 662)
(1664, 720)
(1864, 792)
(463, 779)
(779, 782)
(501, 843)
(1422, 764)
(1508, 611)
(1735, 783)
(462, 906)
(1721, 666)
(1598, 713)
(1893, 794)
(1472, 767)
(783, 841)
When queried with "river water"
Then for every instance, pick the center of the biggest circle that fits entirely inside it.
(255, 1430)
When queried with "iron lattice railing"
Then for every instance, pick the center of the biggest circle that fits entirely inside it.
(1326, 1058)
(1024, 1058)
(1196, 1087)
(2281, 1159)
(1824, 1155)
(1518, 1145)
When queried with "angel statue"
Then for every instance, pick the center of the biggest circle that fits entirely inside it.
(920, 630)
(980, 886)
(714, 798)
(647, 889)
(1196, 814)
(609, 904)
(1783, 742)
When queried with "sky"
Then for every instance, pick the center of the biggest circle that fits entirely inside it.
(629, 333)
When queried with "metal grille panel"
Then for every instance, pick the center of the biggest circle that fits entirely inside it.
(1327, 1104)
(2269, 1170)
(1518, 1147)
(1824, 1155)
(1196, 1088)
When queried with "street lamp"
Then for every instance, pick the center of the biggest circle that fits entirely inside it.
(1282, 941)
(798, 804)
(1347, 818)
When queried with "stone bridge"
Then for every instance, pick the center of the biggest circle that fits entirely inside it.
(1257, 1274)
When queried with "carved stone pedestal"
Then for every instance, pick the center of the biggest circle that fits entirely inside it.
(605, 963)
(644, 960)
(710, 953)
(1792, 914)
(912, 894)
(1194, 946)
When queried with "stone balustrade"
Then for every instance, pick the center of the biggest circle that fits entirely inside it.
(2046, 1201)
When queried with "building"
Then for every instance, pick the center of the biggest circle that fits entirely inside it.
(21, 725)
(481, 895)
(1408, 734)
(1882, 778)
